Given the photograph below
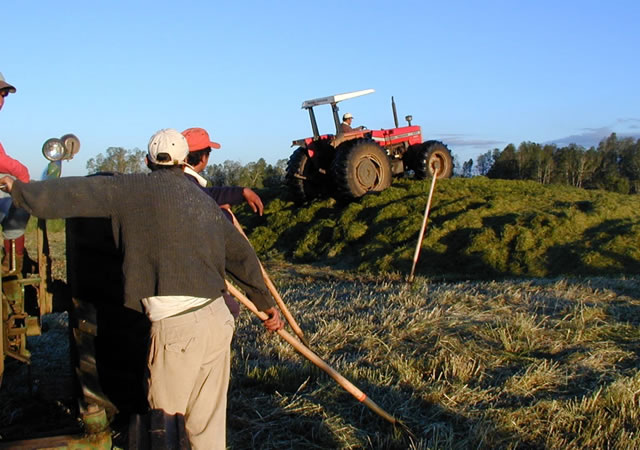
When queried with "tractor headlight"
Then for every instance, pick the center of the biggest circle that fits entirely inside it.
(66, 147)
(71, 144)
(53, 149)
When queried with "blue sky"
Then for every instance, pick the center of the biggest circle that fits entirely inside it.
(476, 75)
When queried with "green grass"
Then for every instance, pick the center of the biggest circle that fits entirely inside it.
(53, 225)
(477, 228)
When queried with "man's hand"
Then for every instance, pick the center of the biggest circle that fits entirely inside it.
(6, 184)
(253, 200)
(274, 322)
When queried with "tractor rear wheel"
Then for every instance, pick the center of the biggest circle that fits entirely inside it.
(426, 155)
(360, 168)
(302, 178)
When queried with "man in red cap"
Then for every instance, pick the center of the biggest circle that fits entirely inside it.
(14, 220)
(200, 146)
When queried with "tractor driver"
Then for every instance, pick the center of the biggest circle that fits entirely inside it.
(345, 126)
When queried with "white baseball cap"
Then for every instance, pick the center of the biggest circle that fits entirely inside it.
(347, 116)
(168, 147)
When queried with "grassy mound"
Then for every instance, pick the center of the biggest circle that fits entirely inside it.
(477, 228)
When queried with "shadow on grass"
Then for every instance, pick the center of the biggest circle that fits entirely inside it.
(584, 206)
(589, 255)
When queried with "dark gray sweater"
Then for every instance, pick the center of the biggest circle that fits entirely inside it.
(174, 237)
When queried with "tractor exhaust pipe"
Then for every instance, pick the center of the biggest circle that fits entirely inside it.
(395, 113)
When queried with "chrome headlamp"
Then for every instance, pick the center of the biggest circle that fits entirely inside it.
(66, 147)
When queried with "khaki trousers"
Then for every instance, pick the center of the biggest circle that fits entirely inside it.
(189, 363)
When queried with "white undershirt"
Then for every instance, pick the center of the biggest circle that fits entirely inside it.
(201, 180)
(163, 306)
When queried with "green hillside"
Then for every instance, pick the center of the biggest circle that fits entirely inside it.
(477, 228)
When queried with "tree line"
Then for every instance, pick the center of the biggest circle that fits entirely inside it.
(257, 174)
(613, 166)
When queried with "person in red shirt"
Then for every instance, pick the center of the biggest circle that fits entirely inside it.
(14, 220)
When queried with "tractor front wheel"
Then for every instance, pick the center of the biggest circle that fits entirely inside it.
(428, 155)
(360, 168)
(302, 177)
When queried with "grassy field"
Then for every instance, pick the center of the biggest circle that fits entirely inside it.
(521, 330)
(546, 363)
(478, 229)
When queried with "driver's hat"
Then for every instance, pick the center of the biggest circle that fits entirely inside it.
(347, 116)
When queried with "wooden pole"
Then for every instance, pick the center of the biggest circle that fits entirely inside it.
(274, 292)
(424, 222)
(315, 359)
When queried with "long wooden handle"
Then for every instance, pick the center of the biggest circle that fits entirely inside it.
(315, 359)
(416, 254)
(274, 292)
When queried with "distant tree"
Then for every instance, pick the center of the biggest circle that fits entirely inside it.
(546, 164)
(608, 175)
(118, 159)
(467, 169)
(228, 173)
(485, 161)
(572, 165)
(526, 158)
(254, 175)
(505, 166)
(274, 175)
(630, 165)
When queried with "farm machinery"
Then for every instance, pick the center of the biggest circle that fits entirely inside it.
(349, 165)
(27, 292)
(107, 342)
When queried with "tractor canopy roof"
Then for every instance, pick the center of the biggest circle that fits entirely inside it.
(333, 99)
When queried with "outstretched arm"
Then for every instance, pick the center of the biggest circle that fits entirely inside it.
(235, 195)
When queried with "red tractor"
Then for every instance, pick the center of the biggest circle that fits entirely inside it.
(348, 165)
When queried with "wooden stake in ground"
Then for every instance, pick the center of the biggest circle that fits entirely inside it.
(436, 167)
(315, 359)
(272, 288)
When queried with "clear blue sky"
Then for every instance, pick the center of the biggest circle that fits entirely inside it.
(476, 75)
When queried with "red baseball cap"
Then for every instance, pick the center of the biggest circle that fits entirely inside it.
(198, 139)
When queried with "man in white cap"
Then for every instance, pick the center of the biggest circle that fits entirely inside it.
(176, 248)
(14, 220)
(345, 126)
